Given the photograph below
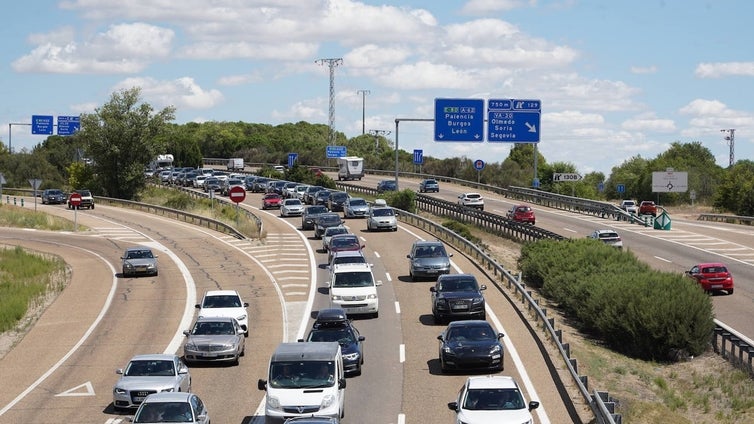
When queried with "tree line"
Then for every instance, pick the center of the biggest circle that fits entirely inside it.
(125, 134)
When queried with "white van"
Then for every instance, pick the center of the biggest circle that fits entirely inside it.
(305, 379)
(353, 288)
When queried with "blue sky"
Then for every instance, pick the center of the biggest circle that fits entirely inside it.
(616, 79)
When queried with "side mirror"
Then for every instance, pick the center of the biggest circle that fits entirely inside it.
(453, 406)
(342, 383)
(432, 289)
(483, 287)
(186, 332)
(246, 304)
(440, 337)
(262, 384)
(119, 371)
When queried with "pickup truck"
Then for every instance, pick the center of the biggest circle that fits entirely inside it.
(647, 207)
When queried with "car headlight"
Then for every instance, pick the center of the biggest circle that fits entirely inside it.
(128, 265)
(119, 391)
(351, 356)
(496, 349)
(190, 346)
(447, 350)
(241, 318)
(477, 300)
(273, 402)
(327, 401)
(169, 389)
(372, 296)
(337, 297)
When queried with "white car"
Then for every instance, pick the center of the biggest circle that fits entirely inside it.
(291, 207)
(225, 303)
(382, 218)
(609, 237)
(492, 399)
(629, 206)
(199, 180)
(146, 374)
(169, 407)
(471, 200)
(353, 288)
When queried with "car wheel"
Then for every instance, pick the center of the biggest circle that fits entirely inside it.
(730, 291)
(443, 368)
(156, 273)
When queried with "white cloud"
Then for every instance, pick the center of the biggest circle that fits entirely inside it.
(649, 122)
(642, 70)
(723, 69)
(123, 48)
(482, 7)
(181, 93)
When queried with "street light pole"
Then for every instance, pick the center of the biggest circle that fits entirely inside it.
(363, 108)
(376, 134)
(730, 139)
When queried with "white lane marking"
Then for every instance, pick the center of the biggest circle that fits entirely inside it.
(387, 277)
(570, 230)
(76, 391)
(397, 308)
(663, 259)
(402, 353)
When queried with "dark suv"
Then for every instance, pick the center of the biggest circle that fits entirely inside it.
(386, 185)
(428, 259)
(332, 325)
(457, 296)
(53, 196)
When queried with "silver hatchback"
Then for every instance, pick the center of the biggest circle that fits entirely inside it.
(428, 259)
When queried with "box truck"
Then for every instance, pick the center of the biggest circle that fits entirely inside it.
(235, 164)
(350, 168)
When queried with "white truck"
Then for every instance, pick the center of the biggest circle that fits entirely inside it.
(350, 168)
(235, 164)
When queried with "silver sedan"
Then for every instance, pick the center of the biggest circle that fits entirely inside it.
(291, 207)
(139, 260)
(147, 374)
(214, 339)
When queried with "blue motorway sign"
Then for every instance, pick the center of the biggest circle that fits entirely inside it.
(418, 156)
(42, 124)
(513, 121)
(68, 125)
(620, 188)
(292, 159)
(336, 152)
(459, 120)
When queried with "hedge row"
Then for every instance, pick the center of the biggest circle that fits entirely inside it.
(635, 310)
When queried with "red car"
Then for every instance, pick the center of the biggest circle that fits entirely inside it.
(712, 277)
(271, 200)
(343, 242)
(522, 213)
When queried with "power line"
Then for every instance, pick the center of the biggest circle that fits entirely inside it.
(331, 63)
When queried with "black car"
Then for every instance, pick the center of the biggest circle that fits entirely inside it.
(387, 185)
(428, 185)
(471, 345)
(336, 200)
(310, 215)
(325, 220)
(53, 196)
(457, 296)
(322, 197)
(332, 325)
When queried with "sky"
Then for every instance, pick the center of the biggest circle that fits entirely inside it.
(615, 79)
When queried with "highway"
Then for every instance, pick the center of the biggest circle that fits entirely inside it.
(63, 370)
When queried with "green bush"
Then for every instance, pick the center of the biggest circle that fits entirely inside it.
(635, 310)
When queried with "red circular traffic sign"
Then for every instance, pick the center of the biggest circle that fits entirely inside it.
(237, 194)
(75, 199)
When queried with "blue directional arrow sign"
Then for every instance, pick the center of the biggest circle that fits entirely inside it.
(292, 159)
(42, 124)
(459, 120)
(513, 121)
(418, 156)
(68, 125)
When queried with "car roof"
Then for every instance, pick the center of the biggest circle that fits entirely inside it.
(221, 293)
(455, 277)
(168, 397)
(351, 267)
(341, 253)
(491, 382)
(153, 357)
(217, 318)
(427, 243)
(709, 264)
(136, 248)
(331, 315)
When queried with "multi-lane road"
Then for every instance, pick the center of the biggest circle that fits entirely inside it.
(63, 369)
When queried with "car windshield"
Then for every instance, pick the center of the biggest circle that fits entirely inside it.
(344, 336)
(139, 254)
(357, 202)
(213, 328)
(430, 252)
(458, 284)
(222, 301)
(350, 259)
(493, 400)
(339, 196)
(329, 220)
(292, 202)
(353, 279)
(164, 412)
(54, 192)
(383, 212)
(153, 368)
(476, 333)
(344, 242)
(333, 231)
(309, 374)
(314, 210)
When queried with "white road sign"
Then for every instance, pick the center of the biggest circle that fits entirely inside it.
(670, 182)
(561, 177)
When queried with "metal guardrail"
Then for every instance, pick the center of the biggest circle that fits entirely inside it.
(730, 219)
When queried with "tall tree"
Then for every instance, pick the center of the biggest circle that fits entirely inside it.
(121, 138)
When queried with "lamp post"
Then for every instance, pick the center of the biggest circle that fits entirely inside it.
(363, 108)
(376, 134)
(730, 139)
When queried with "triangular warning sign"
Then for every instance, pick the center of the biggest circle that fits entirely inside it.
(85, 389)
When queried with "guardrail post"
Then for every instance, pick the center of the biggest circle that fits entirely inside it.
(22, 202)
(14, 201)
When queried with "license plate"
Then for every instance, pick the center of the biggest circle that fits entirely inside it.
(460, 306)
(717, 286)
(139, 399)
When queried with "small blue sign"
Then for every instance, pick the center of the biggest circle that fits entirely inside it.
(292, 159)
(67, 125)
(418, 156)
(513, 121)
(535, 183)
(621, 188)
(601, 186)
(478, 164)
(459, 120)
(336, 152)
(42, 124)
